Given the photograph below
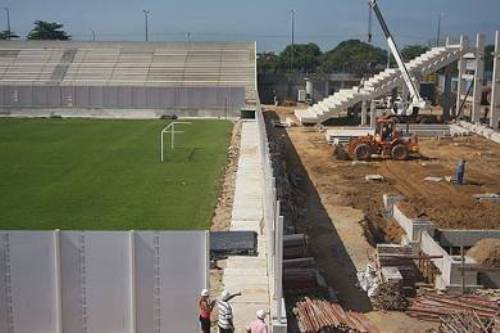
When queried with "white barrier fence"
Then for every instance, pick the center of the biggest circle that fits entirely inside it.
(273, 228)
(130, 281)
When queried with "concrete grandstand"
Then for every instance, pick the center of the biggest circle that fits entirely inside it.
(126, 79)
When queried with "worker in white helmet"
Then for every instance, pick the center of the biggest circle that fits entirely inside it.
(226, 312)
(258, 325)
(205, 306)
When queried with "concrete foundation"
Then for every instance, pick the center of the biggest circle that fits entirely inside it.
(423, 236)
(466, 238)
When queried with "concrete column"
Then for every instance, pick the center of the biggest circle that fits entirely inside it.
(364, 110)
(495, 93)
(327, 87)
(446, 100)
(478, 78)
(461, 71)
(373, 114)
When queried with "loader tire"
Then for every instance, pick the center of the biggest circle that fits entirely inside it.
(362, 152)
(399, 152)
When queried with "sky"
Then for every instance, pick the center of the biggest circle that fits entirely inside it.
(324, 22)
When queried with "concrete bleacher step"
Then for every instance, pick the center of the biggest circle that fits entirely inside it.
(378, 85)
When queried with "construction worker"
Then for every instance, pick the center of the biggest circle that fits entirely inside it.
(205, 306)
(259, 325)
(460, 172)
(226, 312)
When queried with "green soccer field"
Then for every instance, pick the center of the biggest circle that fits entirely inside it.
(83, 174)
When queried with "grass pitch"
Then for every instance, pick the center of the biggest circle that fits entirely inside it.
(82, 174)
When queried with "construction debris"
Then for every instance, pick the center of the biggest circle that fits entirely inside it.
(299, 279)
(432, 307)
(488, 197)
(314, 316)
(434, 179)
(374, 178)
(467, 322)
(369, 280)
(390, 296)
(295, 246)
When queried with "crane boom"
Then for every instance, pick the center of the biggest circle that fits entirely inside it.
(417, 102)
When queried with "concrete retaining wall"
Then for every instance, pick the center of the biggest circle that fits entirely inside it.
(118, 113)
(412, 227)
(449, 266)
(467, 238)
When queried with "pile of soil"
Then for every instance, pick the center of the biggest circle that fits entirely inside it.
(463, 213)
(486, 252)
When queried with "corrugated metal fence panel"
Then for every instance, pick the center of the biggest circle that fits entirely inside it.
(139, 97)
(40, 96)
(153, 97)
(110, 96)
(108, 281)
(25, 96)
(54, 98)
(122, 97)
(73, 301)
(96, 277)
(4, 296)
(183, 268)
(145, 252)
(30, 269)
(125, 97)
(96, 97)
(68, 97)
(82, 97)
(166, 264)
(95, 281)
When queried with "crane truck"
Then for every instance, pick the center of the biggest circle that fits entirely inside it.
(416, 103)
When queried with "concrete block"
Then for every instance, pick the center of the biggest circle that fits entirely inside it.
(390, 200)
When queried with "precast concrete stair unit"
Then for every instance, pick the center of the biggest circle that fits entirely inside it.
(381, 84)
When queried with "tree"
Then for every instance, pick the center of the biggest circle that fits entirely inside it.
(267, 62)
(4, 35)
(305, 57)
(48, 30)
(410, 52)
(354, 56)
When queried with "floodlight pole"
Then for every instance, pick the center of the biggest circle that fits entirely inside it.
(146, 17)
(7, 11)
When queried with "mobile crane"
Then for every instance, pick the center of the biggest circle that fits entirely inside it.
(417, 103)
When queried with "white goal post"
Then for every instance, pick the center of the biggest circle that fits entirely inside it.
(170, 129)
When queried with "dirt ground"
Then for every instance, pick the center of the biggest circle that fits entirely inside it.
(342, 213)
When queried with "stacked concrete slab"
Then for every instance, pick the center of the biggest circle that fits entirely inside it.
(381, 84)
